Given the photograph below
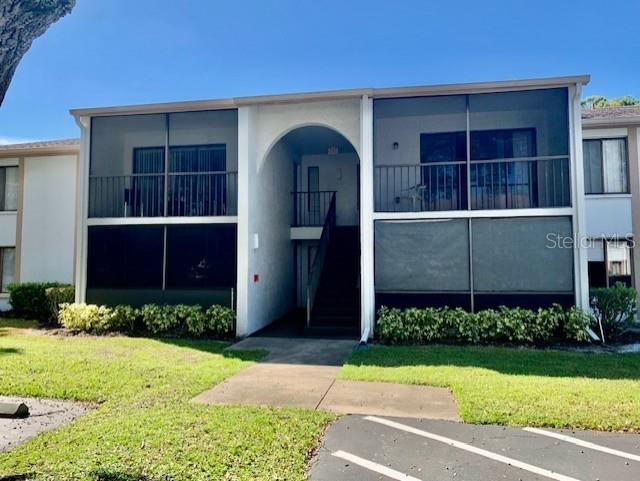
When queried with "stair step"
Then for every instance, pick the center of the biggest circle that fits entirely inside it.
(337, 302)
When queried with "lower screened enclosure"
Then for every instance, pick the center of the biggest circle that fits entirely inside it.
(174, 264)
(475, 263)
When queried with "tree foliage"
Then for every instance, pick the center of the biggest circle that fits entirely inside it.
(21, 22)
(598, 101)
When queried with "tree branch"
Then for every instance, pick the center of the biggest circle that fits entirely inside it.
(21, 22)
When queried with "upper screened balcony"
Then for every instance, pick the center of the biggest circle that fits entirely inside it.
(130, 177)
(482, 151)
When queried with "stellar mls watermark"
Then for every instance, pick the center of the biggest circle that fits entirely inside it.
(563, 241)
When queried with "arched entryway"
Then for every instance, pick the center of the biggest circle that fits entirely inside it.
(317, 274)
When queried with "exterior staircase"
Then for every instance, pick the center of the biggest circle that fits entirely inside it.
(336, 307)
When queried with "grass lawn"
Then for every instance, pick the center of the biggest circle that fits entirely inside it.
(516, 386)
(145, 428)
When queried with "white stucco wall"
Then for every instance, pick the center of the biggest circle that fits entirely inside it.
(608, 216)
(272, 295)
(48, 219)
(275, 121)
(264, 202)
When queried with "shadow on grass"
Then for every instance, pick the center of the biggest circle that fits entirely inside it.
(17, 477)
(10, 350)
(512, 361)
(115, 475)
(8, 323)
(16, 323)
(214, 347)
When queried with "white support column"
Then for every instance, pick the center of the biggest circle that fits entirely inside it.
(581, 276)
(245, 161)
(82, 208)
(367, 285)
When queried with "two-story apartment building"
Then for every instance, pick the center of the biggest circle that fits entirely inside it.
(37, 212)
(334, 203)
(612, 188)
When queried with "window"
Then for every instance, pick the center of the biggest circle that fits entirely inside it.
(443, 147)
(443, 174)
(605, 166)
(503, 184)
(8, 188)
(609, 262)
(7, 267)
(204, 194)
(503, 144)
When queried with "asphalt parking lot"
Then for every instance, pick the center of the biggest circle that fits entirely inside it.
(363, 448)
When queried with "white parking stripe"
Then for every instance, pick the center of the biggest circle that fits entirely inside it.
(371, 466)
(584, 444)
(472, 449)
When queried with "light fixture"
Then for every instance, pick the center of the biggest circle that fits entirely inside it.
(396, 145)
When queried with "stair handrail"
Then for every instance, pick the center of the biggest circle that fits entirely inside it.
(321, 253)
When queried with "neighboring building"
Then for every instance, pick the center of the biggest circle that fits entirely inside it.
(612, 189)
(37, 212)
(334, 203)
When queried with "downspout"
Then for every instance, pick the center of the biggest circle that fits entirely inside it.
(365, 337)
(82, 176)
(579, 200)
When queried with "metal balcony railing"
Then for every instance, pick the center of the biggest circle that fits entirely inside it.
(534, 182)
(143, 195)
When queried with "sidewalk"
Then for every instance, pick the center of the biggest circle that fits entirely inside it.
(302, 373)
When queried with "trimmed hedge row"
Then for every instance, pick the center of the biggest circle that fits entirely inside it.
(160, 320)
(503, 325)
(30, 301)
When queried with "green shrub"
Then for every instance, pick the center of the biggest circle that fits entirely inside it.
(503, 325)
(127, 319)
(86, 318)
(219, 321)
(575, 325)
(191, 318)
(614, 309)
(392, 325)
(162, 320)
(55, 297)
(29, 299)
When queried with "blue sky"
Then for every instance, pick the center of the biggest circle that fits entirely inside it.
(115, 52)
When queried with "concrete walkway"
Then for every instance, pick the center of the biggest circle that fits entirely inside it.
(302, 373)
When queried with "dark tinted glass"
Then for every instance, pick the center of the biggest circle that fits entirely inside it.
(201, 256)
(443, 147)
(125, 257)
(503, 144)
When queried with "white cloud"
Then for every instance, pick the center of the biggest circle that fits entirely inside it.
(15, 140)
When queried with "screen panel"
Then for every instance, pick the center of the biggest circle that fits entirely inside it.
(201, 256)
(527, 254)
(124, 257)
(422, 256)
